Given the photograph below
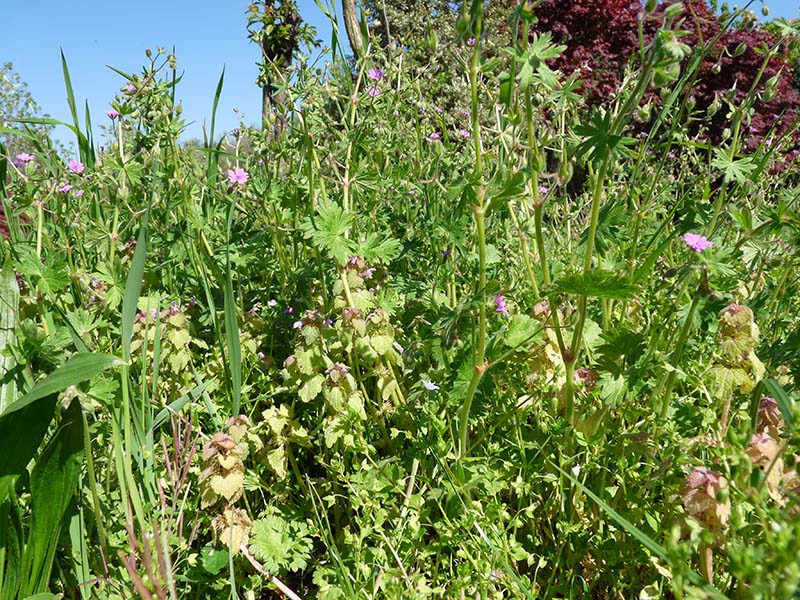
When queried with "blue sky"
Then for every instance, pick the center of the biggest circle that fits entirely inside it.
(207, 34)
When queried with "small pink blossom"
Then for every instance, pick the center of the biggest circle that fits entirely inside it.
(238, 175)
(65, 189)
(543, 190)
(696, 242)
(471, 41)
(375, 74)
(78, 193)
(464, 133)
(130, 88)
(24, 157)
(500, 303)
(76, 166)
(434, 137)
(373, 91)
(112, 114)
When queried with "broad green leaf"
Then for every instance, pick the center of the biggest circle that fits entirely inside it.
(521, 330)
(596, 284)
(311, 388)
(53, 482)
(24, 424)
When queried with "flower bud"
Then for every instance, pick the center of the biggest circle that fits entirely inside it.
(770, 419)
(673, 10)
(704, 501)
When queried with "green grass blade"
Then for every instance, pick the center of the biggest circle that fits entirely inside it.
(9, 306)
(213, 157)
(639, 535)
(133, 287)
(232, 324)
(73, 109)
(775, 390)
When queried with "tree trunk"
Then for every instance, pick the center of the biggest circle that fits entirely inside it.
(353, 27)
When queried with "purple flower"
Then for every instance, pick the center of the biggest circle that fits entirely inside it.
(24, 157)
(471, 41)
(430, 386)
(500, 302)
(77, 193)
(438, 110)
(64, 189)
(698, 243)
(130, 88)
(671, 154)
(238, 175)
(434, 137)
(543, 190)
(375, 74)
(464, 133)
(76, 166)
(112, 114)
(373, 91)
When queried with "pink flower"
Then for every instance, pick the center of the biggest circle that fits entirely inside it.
(78, 193)
(76, 166)
(238, 175)
(130, 88)
(434, 137)
(112, 114)
(375, 74)
(471, 41)
(24, 157)
(464, 133)
(500, 302)
(65, 189)
(543, 190)
(373, 91)
(698, 243)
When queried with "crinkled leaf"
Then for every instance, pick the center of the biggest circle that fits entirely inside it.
(595, 283)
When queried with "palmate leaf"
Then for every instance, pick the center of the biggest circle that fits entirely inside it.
(279, 544)
(375, 248)
(596, 284)
(598, 138)
(733, 170)
(327, 232)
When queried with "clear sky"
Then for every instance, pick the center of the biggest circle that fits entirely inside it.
(207, 34)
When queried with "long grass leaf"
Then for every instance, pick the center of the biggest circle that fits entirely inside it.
(639, 535)
(232, 324)
(213, 157)
(133, 287)
(9, 307)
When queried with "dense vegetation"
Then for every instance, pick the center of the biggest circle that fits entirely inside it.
(520, 344)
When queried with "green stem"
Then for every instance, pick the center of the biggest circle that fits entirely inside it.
(479, 213)
(676, 356)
